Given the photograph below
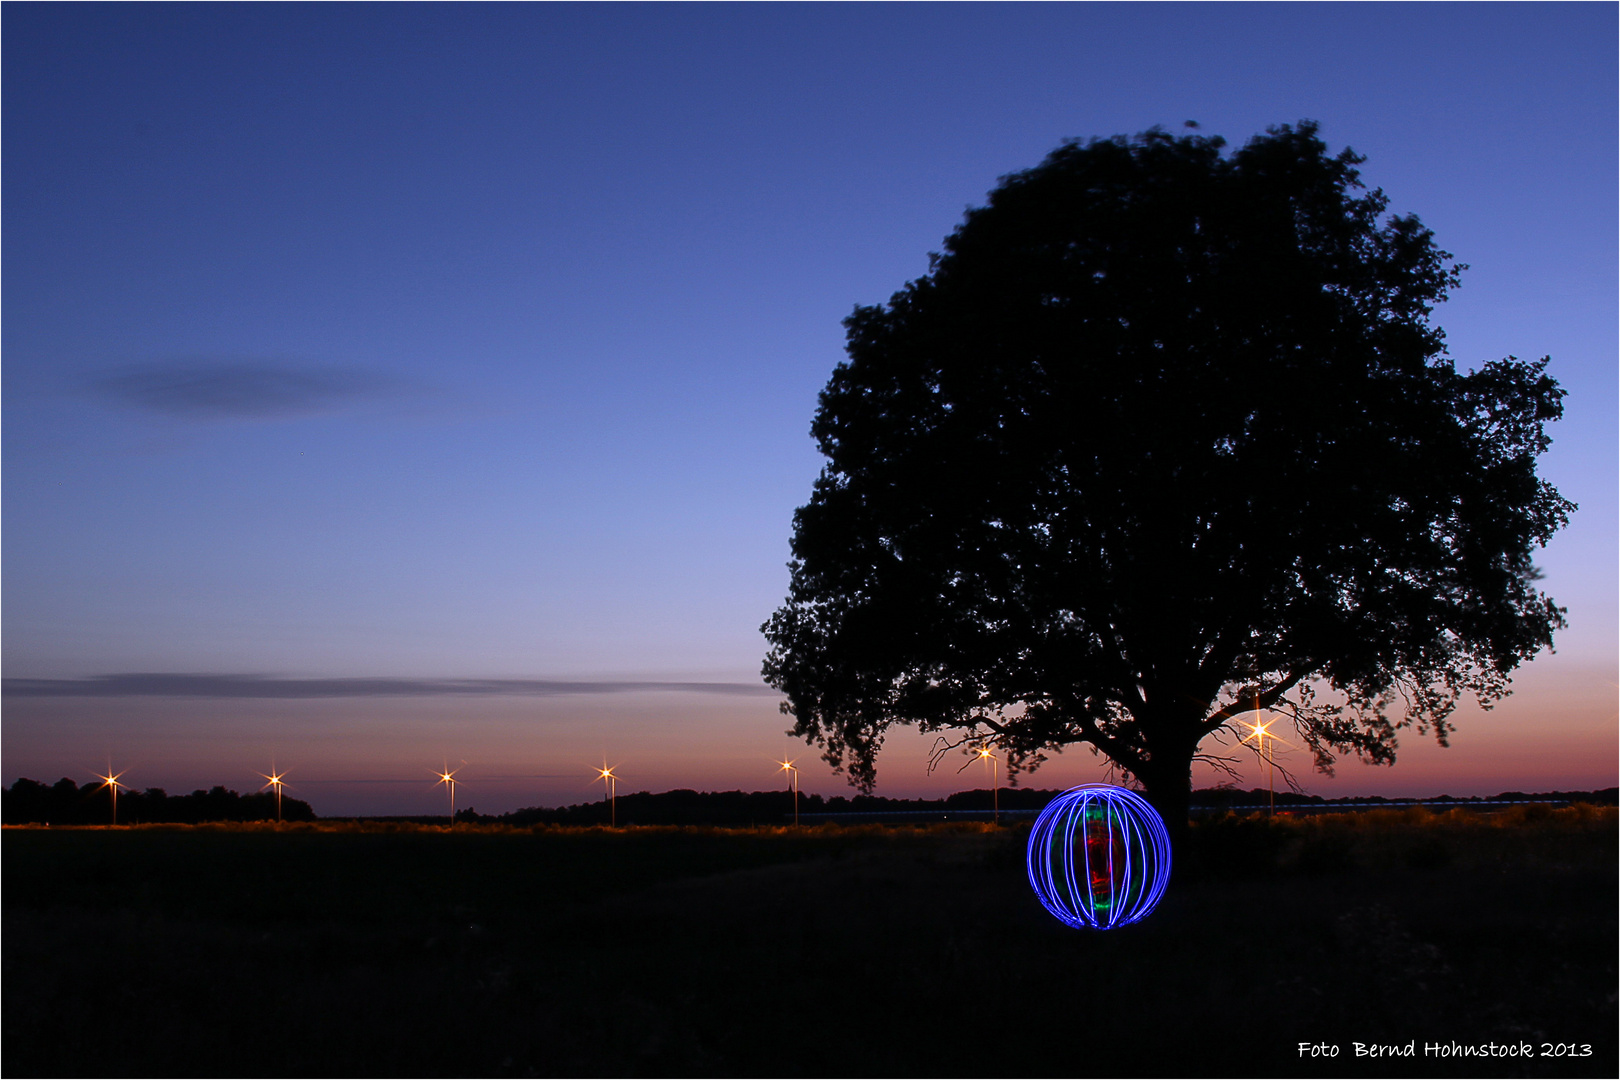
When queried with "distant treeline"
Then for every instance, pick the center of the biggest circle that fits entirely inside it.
(29, 802)
(66, 803)
(1215, 798)
(687, 807)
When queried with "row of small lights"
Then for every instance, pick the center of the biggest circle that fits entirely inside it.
(447, 776)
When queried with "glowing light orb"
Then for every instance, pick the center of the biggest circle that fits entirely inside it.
(1099, 857)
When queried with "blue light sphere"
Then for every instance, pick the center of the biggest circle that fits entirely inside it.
(1099, 857)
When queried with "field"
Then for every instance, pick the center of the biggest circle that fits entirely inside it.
(302, 950)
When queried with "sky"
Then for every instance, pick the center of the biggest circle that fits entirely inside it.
(393, 386)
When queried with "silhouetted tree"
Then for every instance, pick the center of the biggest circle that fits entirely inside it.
(1166, 431)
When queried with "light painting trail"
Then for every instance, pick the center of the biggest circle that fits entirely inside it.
(1099, 857)
(788, 767)
(277, 781)
(605, 774)
(447, 775)
(110, 781)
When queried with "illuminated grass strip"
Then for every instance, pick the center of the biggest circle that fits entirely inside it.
(1099, 857)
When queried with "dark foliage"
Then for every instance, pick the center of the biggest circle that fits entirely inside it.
(28, 802)
(774, 808)
(1166, 434)
(1234, 797)
(731, 808)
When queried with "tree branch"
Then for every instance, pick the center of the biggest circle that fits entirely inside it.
(1114, 748)
(1263, 700)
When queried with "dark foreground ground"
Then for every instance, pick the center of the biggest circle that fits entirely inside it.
(826, 951)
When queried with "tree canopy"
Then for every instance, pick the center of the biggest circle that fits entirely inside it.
(1167, 433)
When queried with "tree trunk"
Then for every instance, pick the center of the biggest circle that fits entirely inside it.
(1169, 790)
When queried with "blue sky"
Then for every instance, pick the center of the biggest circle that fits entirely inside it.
(481, 342)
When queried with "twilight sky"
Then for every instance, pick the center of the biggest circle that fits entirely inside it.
(386, 385)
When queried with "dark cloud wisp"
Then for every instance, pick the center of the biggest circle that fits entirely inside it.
(239, 389)
(161, 684)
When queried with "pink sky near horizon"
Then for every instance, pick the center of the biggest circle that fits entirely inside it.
(349, 756)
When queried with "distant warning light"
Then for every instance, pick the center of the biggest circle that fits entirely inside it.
(109, 780)
(1099, 857)
(447, 776)
(278, 780)
(607, 776)
(793, 773)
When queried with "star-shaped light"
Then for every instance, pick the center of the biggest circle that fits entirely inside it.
(109, 780)
(990, 760)
(447, 776)
(608, 777)
(1260, 733)
(788, 767)
(277, 781)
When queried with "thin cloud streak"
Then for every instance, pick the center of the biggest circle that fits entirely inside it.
(162, 684)
(230, 389)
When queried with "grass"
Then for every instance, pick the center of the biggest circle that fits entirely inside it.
(401, 950)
